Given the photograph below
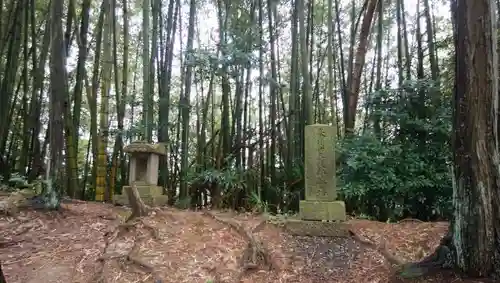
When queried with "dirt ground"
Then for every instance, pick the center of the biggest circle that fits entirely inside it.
(87, 242)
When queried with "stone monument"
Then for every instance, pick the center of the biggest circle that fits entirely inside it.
(320, 213)
(143, 173)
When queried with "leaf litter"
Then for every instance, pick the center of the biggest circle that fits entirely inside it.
(87, 242)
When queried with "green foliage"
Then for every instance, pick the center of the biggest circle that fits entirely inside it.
(402, 171)
(257, 203)
(230, 181)
(289, 184)
(239, 188)
(46, 193)
(17, 180)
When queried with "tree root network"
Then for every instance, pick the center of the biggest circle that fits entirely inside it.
(256, 255)
(441, 258)
(132, 224)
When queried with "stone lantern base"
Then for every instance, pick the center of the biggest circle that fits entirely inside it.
(150, 195)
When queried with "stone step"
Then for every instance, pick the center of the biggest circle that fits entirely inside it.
(316, 228)
(145, 191)
(322, 210)
(151, 200)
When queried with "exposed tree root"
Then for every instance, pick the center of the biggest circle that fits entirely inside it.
(382, 249)
(260, 226)
(212, 270)
(255, 256)
(133, 256)
(139, 209)
(132, 224)
(441, 258)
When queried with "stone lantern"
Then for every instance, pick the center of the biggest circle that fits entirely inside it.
(143, 173)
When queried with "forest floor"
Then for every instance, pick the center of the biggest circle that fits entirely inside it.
(87, 242)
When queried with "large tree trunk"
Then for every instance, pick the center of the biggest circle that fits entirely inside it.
(472, 244)
(356, 68)
(476, 224)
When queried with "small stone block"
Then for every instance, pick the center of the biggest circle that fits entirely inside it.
(124, 191)
(316, 228)
(145, 191)
(160, 200)
(155, 201)
(120, 199)
(148, 200)
(149, 190)
(322, 210)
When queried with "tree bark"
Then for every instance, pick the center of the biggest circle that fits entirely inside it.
(139, 209)
(356, 68)
(472, 244)
(476, 224)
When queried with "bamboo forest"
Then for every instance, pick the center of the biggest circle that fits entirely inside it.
(262, 141)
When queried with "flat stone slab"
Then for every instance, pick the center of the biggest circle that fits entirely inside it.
(156, 201)
(299, 227)
(322, 210)
(144, 147)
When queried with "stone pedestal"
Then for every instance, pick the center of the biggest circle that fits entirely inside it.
(143, 173)
(320, 213)
(150, 195)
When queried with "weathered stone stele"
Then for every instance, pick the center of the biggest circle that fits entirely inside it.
(320, 213)
(143, 172)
